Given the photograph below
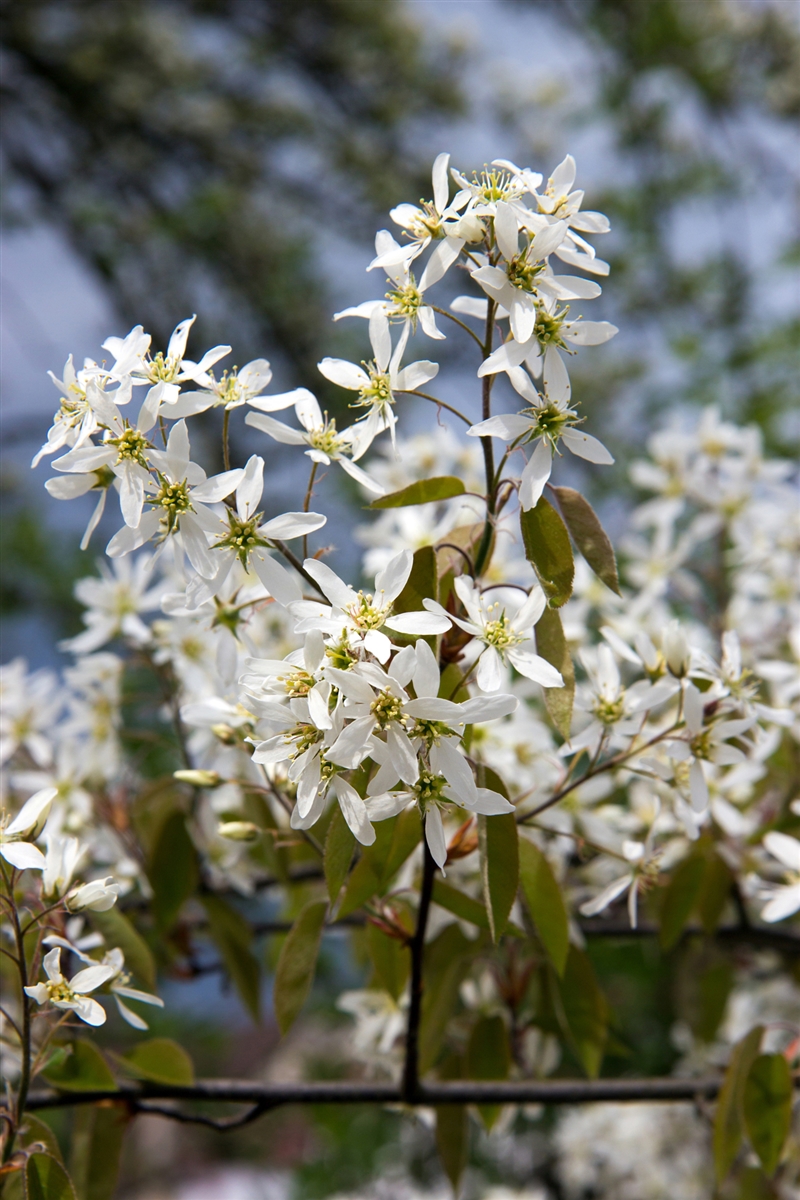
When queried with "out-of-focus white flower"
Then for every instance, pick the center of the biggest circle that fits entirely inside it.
(16, 838)
(73, 994)
(786, 898)
(100, 895)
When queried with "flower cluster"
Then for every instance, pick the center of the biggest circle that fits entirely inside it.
(621, 725)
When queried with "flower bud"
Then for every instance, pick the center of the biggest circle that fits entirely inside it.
(676, 649)
(32, 817)
(239, 831)
(200, 779)
(225, 733)
(99, 895)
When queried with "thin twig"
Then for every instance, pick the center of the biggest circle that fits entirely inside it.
(410, 1087)
(435, 400)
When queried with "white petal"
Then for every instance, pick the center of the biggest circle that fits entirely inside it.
(506, 230)
(490, 674)
(332, 585)
(508, 426)
(280, 584)
(434, 836)
(354, 811)
(344, 374)
(293, 525)
(586, 446)
(786, 849)
(426, 674)
(533, 667)
(440, 261)
(415, 375)
(786, 902)
(698, 787)
(535, 475)
(441, 183)
(606, 897)
(23, 856)
(588, 333)
(394, 576)
(218, 487)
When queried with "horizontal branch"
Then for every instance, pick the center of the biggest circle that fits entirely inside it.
(263, 1097)
(756, 935)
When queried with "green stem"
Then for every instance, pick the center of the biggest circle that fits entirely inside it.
(307, 503)
(481, 558)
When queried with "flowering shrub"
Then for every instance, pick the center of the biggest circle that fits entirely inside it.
(499, 745)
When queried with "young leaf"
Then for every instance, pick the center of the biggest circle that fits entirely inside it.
(552, 645)
(545, 902)
(680, 898)
(729, 1116)
(390, 959)
(46, 1179)
(82, 1069)
(452, 1141)
(34, 1129)
(585, 1010)
(498, 843)
(161, 1060)
(233, 937)
(767, 1107)
(460, 904)
(589, 535)
(118, 930)
(548, 549)
(173, 869)
(488, 1057)
(424, 491)
(339, 845)
(98, 1131)
(297, 963)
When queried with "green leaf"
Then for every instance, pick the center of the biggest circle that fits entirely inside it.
(173, 869)
(728, 1120)
(498, 842)
(767, 1107)
(297, 963)
(98, 1131)
(460, 904)
(680, 898)
(367, 877)
(422, 583)
(589, 535)
(548, 549)
(161, 1060)
(339, 845)
(585, 1011)
(452, 1141)
(424, 491)
(46, 1179)
(406, 837)
(82, 1069)
(390, 959)
(447, 960)
(552, 645)
(118, 930)
(488, 1057)
(233, 937)
(714, 892)
(34, 1129)
(545, 902)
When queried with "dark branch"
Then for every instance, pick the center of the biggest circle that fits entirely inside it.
(417, 948)
(263, 1097)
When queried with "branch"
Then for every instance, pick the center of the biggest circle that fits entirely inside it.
(263, 1097)
(756, 935)
(411, 1083)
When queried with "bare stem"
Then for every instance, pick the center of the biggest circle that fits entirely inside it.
(410, 1086)
(439, 404)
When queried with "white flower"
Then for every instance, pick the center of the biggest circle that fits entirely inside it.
(432, 221)
(326, 443)
(547, 422)
(786, 899)
(29, 707)
(100, 895)
(559, 201)
(361, 616)
(377, 381)
(178, 501)
(113, 964)
(618, 712)
(244, 536)
(506, 639)
(113, 603)
(75, 422)
(122, 456)
(164, 373)
(72, 994)
(643, 870)
(234, 389)
(552, 332)
(406, 299)
(705, 743)
(62, 858)
(17, 837)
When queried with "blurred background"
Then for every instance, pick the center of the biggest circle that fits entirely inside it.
(234, 158)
